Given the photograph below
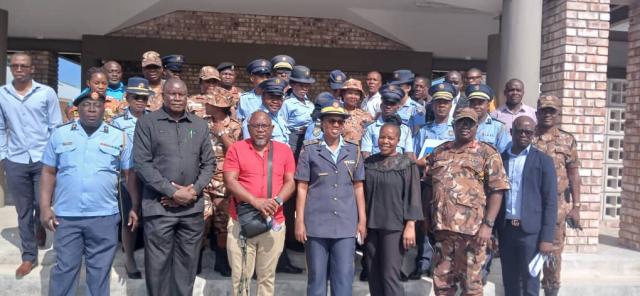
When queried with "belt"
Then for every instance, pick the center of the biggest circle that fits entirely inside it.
(514, 222)
(299, 131)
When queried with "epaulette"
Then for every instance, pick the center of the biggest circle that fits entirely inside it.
(310, 142)
(66, 123)
(498, 120)
(490, 145)
(351, 141)
(117, 128)
(118, 115)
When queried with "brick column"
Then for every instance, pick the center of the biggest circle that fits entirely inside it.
(630, 208)
(574, 67)
(46, 63)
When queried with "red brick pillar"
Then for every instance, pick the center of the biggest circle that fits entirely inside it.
(46, 63)
(630, 208)
(574, 67)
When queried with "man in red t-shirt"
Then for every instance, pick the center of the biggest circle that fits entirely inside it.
(245, 176)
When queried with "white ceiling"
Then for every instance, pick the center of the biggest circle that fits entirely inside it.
(448, 28)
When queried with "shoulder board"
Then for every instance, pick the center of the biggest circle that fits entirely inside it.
(490, 145)
(498, 120)
(118, 116)
(115, 127)
(352, 142)
(66, 123)
(310, 142)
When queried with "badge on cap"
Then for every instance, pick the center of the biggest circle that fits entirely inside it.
(95, 96)
(476, 87)
(396, 75)
(338, 78)
(336, 104)
(440, 86)
(179, 59)
(306, 73)
(263, 63)
(277, 80)
(141, 85)
(284, 59)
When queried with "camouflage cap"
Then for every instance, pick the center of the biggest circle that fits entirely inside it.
(209, 72)
(220, 97)
(354, 84)
(465, 112)
(549, 101)
(151, 58)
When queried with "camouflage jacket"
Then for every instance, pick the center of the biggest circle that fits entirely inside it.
(561, 147)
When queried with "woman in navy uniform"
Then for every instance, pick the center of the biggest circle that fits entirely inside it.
(330, 204)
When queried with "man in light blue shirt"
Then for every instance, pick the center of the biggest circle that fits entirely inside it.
(82, 163)
(29, 111)
(490, 130)
(272, 97)
(513, 197)
(391, 96)
(411, 112)
(250, 101)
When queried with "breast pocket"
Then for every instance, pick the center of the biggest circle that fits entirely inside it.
(108, 157)
(66, 157)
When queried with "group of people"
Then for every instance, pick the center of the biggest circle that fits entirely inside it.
(408, 163)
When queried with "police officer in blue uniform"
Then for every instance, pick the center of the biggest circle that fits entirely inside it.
(137, 95)
(271, 102)
(250, 101)
(336, 81)
(172, 65)
(282, 65)
(297, 107)
(431, 135)
(314, 130)
(82, 163)
(412, 113)
(391, 96)
(330, 205)
(490, 130)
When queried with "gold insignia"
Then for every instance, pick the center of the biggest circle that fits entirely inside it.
(179, 59)
(141, 85)
(477, 87)
(232, 67)
(396, 75)
(338, 78)
(441, 86)
(284, 59)
(263, 63)
(306, 73)
(95, 96)
(277, 81)
(336, 104)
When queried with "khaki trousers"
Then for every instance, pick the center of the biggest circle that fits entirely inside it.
(262, 255)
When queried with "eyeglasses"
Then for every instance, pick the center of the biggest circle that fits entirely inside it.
(260, 126)
(19, 66)
(140, 98)
(334, 121)
(526, 132)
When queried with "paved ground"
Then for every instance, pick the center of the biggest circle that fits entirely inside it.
(610, 271)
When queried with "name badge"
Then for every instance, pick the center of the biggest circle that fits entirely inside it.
(67, 143)
(323, 174)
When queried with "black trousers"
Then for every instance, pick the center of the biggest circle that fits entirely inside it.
(384, 260)
(23, 185)
(172, 248)
(517, 248)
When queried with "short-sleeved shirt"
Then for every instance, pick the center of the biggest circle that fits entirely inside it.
(507, 117)
(330, 208)
(412, 114)
(461, 179)
(126, 121)
(561, 146)
(370, 138)
(372, 104)
(252, 170)
(493, 132)
(249, 103)
(280, 131)
(233, 130)
(297, 114)
(432, 131)
(355, 125)
(87, 169)
(118, 92)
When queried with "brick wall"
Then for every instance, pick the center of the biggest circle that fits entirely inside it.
(574, 67)
(630, 209)
(46, 67)
(259, 29)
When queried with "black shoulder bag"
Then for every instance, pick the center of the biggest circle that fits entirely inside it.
(251, 221)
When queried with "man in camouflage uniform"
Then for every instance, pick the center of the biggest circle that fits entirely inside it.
(465, 180)
(209, 80)
(561, 146)
(224, 132)
(152, 71)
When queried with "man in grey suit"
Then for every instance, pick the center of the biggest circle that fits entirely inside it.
(173, 156)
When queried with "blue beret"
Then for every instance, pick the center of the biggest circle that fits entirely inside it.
(443, 90)
(391, 93)
(282, 61)
(259, 66)
(479, 91)
(173, 62)
(403, 76)
(274, 86)
(337, 79)
(138, 86)
(88, 95)
(301, 74)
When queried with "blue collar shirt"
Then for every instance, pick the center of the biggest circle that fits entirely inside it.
(336, 153)
(280, 131)
(513, 201)
(371, 134)
(26, 122)
(249, 103)
(296, 112)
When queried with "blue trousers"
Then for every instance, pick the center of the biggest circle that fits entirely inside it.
(23, 185)
(97, 239)
(332, 257)
(517, 248)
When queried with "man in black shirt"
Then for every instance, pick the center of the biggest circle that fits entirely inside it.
(173, 157)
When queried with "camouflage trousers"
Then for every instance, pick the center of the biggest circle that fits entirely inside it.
(551, 275)
(458, 259)
(217, 223)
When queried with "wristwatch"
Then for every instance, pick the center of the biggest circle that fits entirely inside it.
(487, 222)
(278, 200)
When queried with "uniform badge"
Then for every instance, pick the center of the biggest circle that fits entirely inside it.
(179, 59)
(141, 85)
(263, 63)
(338, 78)
(441, 86)
(67, 143)
(316, 131)
(476, 87)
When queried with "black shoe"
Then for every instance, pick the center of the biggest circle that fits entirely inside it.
(136, 275)
(551, 292)
(403, 277)
(222, 263)
(296, 246)
(418, 273)
(364, 276)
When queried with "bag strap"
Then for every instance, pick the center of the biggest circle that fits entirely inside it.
(269, 169)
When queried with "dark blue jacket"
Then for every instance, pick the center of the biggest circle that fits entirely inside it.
(540, 197)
